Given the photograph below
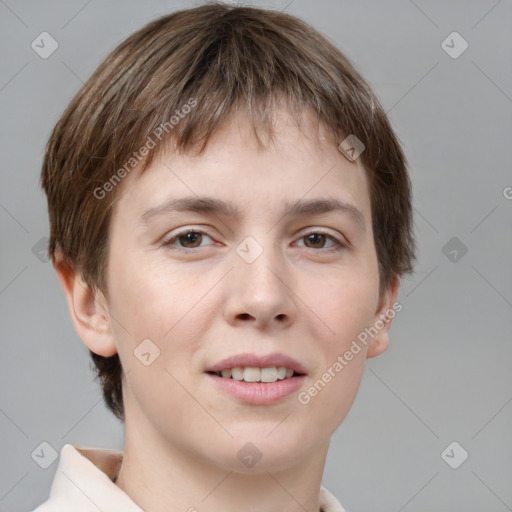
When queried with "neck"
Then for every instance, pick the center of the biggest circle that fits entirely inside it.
(162, 477)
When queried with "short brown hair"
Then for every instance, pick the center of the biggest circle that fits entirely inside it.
(226, 59)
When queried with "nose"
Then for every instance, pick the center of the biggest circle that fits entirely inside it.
(260, 292)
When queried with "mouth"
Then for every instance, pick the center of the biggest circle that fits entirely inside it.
(255, 368)
(258, 380)
(254, 374)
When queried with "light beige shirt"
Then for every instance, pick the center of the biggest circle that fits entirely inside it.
(84, 482)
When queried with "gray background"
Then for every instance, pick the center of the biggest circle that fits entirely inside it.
(446, 376)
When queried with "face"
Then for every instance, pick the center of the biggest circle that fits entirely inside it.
(284, 287)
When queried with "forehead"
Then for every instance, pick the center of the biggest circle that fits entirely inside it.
(300, 162)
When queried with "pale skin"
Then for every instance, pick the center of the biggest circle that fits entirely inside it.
(300, 297)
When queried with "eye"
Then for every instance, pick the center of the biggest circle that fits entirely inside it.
(190, 239)
(317, 239)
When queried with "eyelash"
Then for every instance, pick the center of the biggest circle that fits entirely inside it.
(168, 243)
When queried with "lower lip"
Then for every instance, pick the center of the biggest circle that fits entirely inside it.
(259, 393)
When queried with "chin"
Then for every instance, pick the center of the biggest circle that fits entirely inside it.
(254, 452)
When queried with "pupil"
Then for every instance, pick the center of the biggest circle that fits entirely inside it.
(316, 236)
(191, 237)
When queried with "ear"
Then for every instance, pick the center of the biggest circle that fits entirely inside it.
(383, 317)
(88, 309)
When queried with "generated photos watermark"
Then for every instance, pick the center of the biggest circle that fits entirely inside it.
(304, 397)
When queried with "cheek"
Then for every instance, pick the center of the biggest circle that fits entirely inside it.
(346, 302)
(161, 328)
(346, 307)
(148, 296)
(151, 301)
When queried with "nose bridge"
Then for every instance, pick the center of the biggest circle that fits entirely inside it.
(259, 262)
(258, 280)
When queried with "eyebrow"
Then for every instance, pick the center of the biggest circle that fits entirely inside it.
(213, 206)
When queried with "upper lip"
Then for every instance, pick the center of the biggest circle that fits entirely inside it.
(253, 360)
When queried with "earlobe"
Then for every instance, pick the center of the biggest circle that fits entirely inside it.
(382, 320)
(88, 309)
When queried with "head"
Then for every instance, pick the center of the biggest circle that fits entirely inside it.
(246, 106)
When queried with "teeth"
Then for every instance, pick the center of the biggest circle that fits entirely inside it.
(253, 374)
(237, 373)
(281, 372)
(268, 374)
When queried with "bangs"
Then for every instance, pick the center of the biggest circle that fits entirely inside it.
(244, 64)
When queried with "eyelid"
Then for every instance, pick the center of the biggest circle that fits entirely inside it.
(323, 231)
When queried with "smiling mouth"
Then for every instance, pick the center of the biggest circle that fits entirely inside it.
(251, 374)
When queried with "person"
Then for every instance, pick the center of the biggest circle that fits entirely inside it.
(230, 217)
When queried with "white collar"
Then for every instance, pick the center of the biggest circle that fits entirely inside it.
(84, 482)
